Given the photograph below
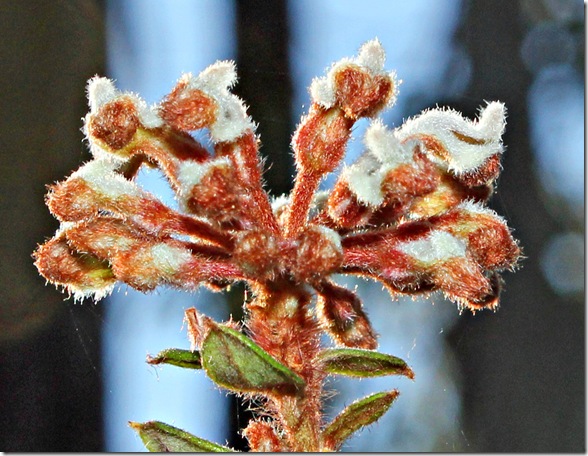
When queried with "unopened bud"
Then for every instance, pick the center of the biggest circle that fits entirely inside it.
(318, 253)
(82, 274)
(319, 143)
(341, 314)
(115, 124)
(359, 86)
(257, 254)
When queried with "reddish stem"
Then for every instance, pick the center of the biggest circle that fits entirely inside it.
(304, 188)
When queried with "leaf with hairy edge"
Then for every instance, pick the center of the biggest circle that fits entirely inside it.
(361, 413)
(355, 362)
(234, 361)
(159, 437)
(177, 357)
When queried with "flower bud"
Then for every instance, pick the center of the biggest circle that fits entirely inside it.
(82, 274)
(461, 145)
(344, 208)
(341, 315)
(318, 253)
(257, 253)
(115, 124)
(487, 235)
(206, 102)
(211, 189)
(320, 140)
(359, 86)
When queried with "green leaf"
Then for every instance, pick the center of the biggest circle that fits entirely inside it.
(355, 362)
(234, 361)
(159, 437)
(177, 357)
(359, 414)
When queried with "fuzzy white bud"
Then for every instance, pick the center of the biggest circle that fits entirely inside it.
(467, 143)
(437, 246)
(231, 119)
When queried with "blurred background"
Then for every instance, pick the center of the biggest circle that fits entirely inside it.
(72, 375)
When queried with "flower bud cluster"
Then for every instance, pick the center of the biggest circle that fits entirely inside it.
(410, 212)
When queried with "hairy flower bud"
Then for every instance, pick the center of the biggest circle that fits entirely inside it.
(360, 86)
(82, 274)
(341, 314)
(319, 143)
(206, 102)
(318, 253)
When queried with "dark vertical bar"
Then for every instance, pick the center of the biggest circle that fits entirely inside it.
(50, 384)
(523, 366)
(265, 85)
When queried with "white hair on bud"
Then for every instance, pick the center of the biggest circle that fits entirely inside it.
(371, 56)
(446, 125)
(191, 172)
(169, 259)
(113, 243)
(330, 235)
(231, 119)
(384, 145)
(322, 92)
(475, 207)
(215, 79)
(365, 180)
(148, 115)
(101, 177)
(437, 246)
(80, 293)
(100, 91)
(279, 203)
(492, 119)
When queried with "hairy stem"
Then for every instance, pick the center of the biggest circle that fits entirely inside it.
(304, 188)
(279, 320)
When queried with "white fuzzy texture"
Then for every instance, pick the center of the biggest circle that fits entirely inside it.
(384, 154)
(79, 293)
(101, 177)
(102, 91)
(364, 183)
(190, 172)
(475, 207)
(148, 115)
(231, 119)
(169, 259)
(279, 203)
(113, 243)
(385, 146)
(330, 235)
(371, 57)
(441, 123)
(437, 246)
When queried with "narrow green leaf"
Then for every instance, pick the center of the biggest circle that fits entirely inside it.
(355, 362)
(234, 361)
(159, 437)
(359, 414)
(177, 357)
